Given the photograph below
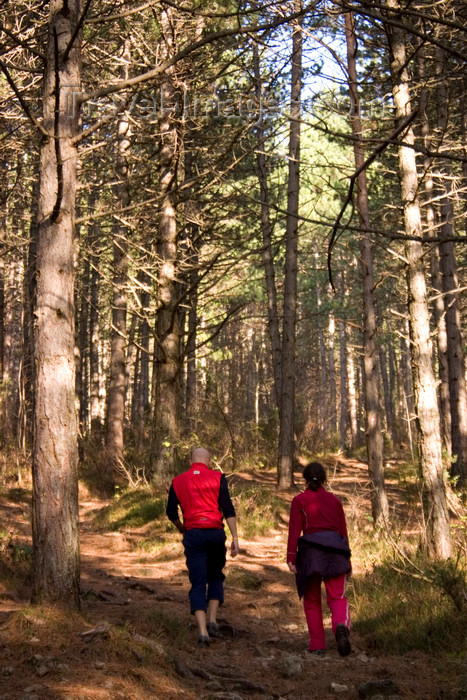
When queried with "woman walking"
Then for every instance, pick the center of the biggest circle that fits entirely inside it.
(321, 553)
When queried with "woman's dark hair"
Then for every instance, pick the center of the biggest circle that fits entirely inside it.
(314, 475)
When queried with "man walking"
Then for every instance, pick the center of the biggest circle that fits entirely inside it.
(204, 499)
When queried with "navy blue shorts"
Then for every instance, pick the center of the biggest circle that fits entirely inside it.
(205, 558)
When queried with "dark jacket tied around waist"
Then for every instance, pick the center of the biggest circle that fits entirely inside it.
(324, 554)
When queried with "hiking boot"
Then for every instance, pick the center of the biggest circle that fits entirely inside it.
(317, 652)
(213, 629)
(203, 640)
(343, 640)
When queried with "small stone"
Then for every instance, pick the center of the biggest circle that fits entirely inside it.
(109, 685)
(33, 688)
(363, 658)
(7, 671)
(223, 696)
(42, 671)
(291, 666)
(34, 640)
(214, 685)
(259, 652)
(338, 688)
(385, 688)
(37, 658)
(99, 665)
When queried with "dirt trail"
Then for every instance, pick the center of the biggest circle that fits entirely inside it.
(128, 595)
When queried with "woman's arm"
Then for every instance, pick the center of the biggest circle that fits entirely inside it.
(295, 530)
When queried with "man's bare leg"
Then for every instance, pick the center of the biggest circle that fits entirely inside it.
(213, 607)
(213, 627)
(200, 617)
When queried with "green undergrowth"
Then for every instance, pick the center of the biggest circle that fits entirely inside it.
(60, 633)
(170, 629)
(131, 509)
(247, 580)
(412, 605)
(15, 560)
(258, 509)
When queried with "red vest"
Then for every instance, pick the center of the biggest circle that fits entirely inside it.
(198, 493)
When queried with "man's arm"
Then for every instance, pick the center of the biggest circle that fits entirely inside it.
(172, 510)
(234, 547)
(228, 511)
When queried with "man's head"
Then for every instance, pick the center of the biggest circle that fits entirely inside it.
(200, 455)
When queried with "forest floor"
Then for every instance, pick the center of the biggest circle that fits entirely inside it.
(134, 637)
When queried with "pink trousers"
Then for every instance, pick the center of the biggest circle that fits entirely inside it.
(337, 603)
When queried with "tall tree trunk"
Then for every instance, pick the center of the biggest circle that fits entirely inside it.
(392, 382)
(29, 297)
(286, 433)
(192, 276)
(435, 270)
(266, 230)
(191, 393)
(384, 374)
(168, 362)
(2, 290)
(114, 441)
(463, 134)
(55, 455)
(94, 373)
(142, 384)
(82, 384)
(448, 264)
(343, 388)
(437, 534)
(323, 384)
(407, 408)
(353, 409)
(374, 433)
(332, 427)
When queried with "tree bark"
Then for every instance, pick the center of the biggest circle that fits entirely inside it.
(266, 230)
(114, 441)
(286, 433)
(374, 433)
(82, 384)
(343, 388)
(407, 408)
(192, 276)
(435, 271)
(323, 407)
(94, 337)
(142, 384)
(352, 390)
(29, 297)
(55, 477)
(332, 427)
(437, 534)
(168, 361)
(448, 265)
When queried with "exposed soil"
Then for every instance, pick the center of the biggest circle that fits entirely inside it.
(141, 640)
